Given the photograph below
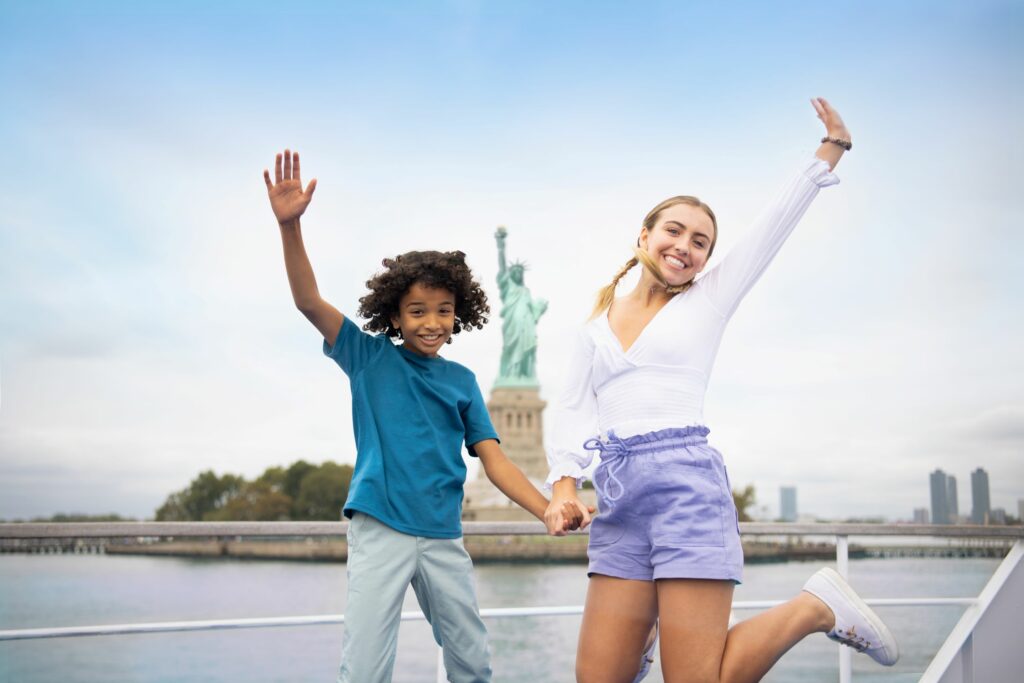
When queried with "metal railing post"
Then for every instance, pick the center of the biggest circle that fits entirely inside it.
(967, 658)
(843, 567)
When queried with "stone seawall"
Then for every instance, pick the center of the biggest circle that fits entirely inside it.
(481, 548)
(324, 550)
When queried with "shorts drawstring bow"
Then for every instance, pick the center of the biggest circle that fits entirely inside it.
(613, 451)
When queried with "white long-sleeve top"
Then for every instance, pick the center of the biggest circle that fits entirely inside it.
(660, 381)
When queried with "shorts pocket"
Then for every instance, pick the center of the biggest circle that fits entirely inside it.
(687, 508)
(604, 531)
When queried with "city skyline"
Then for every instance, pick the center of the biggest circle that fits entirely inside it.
(147, 332)
(944, 507)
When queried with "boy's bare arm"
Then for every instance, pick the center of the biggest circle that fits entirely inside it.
(289, 201)
(511, 481)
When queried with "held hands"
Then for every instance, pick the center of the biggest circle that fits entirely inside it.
(566, 514)
(286, 196)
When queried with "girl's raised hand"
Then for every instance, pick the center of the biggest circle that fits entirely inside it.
(834, 126)
(287, 198)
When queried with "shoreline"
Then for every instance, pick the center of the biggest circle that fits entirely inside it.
(482, 549)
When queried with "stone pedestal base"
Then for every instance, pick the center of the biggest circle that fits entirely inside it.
(517, 414)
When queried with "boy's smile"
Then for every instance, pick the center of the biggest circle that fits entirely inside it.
(426, 317)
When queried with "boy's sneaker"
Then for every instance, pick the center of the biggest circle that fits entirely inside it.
(647, 658)
(856, 624)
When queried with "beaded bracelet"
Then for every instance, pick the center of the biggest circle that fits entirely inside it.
(845, 144)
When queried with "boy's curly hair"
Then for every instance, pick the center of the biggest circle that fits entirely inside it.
(434, 269)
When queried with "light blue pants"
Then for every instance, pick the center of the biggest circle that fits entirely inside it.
(382, 563)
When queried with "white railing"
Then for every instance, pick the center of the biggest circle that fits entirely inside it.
(958, 648)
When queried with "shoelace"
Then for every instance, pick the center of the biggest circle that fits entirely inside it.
(851, 639)
(613, 451)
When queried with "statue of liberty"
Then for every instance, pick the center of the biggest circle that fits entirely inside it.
(519, 316)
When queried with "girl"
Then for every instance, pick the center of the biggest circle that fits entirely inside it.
(666, 548)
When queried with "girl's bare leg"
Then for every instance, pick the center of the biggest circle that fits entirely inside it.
(694, 627)
(617, 620)
(756, 644)
(698, 647)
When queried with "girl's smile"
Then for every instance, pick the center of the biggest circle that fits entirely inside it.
(679, 242)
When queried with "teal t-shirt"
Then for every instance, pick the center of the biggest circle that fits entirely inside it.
(411, 415)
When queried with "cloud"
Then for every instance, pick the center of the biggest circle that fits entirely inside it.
(1002, 424)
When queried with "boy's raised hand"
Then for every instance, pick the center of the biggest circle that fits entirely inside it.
(287, 198)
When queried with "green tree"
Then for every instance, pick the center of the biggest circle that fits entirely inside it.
(65, 518)
(322, 492)
(744, 501)
(292, 481)
(206, 494)
(256, 501)
(173, 509)
(275, 476)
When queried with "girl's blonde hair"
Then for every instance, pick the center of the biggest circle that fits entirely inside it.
(607, 293)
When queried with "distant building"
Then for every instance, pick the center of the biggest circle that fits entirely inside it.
(979, 497)
(920, 515)
(940, 497)
(787, 503)
(952, 506)
(998, 516)
(1020, 511)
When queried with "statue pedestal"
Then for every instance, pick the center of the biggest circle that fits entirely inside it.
(516, 413)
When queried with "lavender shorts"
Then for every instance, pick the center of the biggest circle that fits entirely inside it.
(666, 509)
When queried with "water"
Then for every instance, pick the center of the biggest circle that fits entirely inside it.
(68, 590)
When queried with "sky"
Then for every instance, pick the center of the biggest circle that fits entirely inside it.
(147, 332)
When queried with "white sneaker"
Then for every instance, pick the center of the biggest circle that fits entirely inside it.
(856, 624)
(647, 658)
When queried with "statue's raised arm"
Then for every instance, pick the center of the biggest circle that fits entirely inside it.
(499, 236)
